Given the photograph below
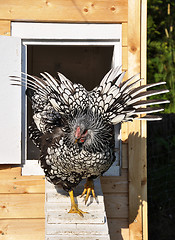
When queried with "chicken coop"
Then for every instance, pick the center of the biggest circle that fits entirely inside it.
(82, 40)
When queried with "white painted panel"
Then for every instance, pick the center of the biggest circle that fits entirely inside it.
(66, 31)
(10, 101)
(32, 167)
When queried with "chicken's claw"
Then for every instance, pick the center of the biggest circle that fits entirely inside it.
(75, 209)
(88, 188)
(74, 206)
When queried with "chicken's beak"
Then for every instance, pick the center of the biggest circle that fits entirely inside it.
(77, 134)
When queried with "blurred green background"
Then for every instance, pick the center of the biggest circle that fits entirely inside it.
(161, 134)
(161, 46)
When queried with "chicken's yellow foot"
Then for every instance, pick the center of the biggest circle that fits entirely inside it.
(88, 188)
(74, 206)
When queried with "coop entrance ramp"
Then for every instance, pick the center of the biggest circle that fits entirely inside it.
(61, 225)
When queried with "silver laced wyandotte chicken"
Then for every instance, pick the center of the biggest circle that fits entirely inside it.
(73, 127)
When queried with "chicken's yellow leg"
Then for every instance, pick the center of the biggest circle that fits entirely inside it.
(74, 206)
(88, 188)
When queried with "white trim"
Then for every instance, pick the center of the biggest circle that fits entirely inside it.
(32, 167)
(24, 107)
(69, 34)
(66, 31)
(69, 43)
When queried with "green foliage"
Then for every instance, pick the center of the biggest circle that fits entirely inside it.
(161, 46)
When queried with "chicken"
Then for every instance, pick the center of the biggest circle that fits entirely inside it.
(73, 127)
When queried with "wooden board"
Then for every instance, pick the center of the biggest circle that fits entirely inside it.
(23, 184)
(134, 142)
(124, 34)
(22, 205)
(124, 58)
(135, 216)
(78, 237)
(115, 184)
(4, 27)
(125, 156)
(124, 134)
(20, 229)
(124, 79)
(77, 229)
(65, 11)
(116, 205)
(119, 229)
(57, 215)
(9, 171)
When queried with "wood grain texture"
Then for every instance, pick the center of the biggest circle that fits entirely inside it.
(134, 140)
(124, 135)
(124, 58)
(116, 205)
(119, 229)
(20, 229)
(135, 211)
(125, 156)
(22, 205)
(5, 28)
(9, 171)
(64, 11)
(23, 184)
(115, 184)
(124, 34)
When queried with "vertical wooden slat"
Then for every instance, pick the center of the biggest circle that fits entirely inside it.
(134, 140)
(124, 34)
(144, 125)
(135, 214)
(124, 58)
(124, 135)
(124, 155)
(5, 27)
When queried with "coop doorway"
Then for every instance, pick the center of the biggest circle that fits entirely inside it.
(84, 59)
(81, 64)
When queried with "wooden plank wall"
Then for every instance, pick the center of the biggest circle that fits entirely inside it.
(22, 197)
(65, 11)
(21, 205)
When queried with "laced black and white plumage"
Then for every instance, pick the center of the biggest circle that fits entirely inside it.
(74, 127)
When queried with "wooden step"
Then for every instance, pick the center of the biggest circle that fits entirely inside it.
(63, 225)
(79, 237)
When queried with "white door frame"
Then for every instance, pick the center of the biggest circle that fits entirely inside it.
(66, 34)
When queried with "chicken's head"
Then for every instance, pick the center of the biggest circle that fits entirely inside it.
(80, 134)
